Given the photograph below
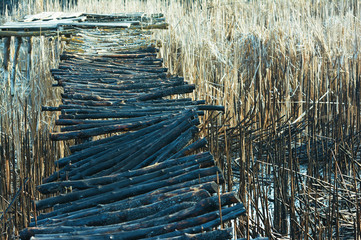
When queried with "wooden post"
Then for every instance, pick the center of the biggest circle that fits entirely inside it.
(18, 41)
(7, 42)
(28, 70)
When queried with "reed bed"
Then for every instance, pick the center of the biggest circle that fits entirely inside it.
(288, 73)
(26, 152)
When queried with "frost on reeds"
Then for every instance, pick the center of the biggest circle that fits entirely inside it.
(288, 73)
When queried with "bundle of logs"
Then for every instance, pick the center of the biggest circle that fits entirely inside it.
(138, 171)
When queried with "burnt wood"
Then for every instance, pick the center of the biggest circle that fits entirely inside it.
(206, 183)
(132, 176)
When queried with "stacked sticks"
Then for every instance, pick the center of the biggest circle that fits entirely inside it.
(143, 176)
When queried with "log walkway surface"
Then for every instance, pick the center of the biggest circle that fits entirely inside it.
(138, 170)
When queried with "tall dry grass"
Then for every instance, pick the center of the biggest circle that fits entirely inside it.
(288, 73)
(26, 153)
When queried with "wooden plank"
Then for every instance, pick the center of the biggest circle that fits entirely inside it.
(104, 25)
(35, 33)
(51, 15)
(137, 15)
(161, 25)
(52, 24)
(39, 16)
(40, 23)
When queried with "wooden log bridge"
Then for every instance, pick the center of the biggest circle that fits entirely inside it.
(138, 170)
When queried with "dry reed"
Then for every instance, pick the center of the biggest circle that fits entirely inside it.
(288, 73)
